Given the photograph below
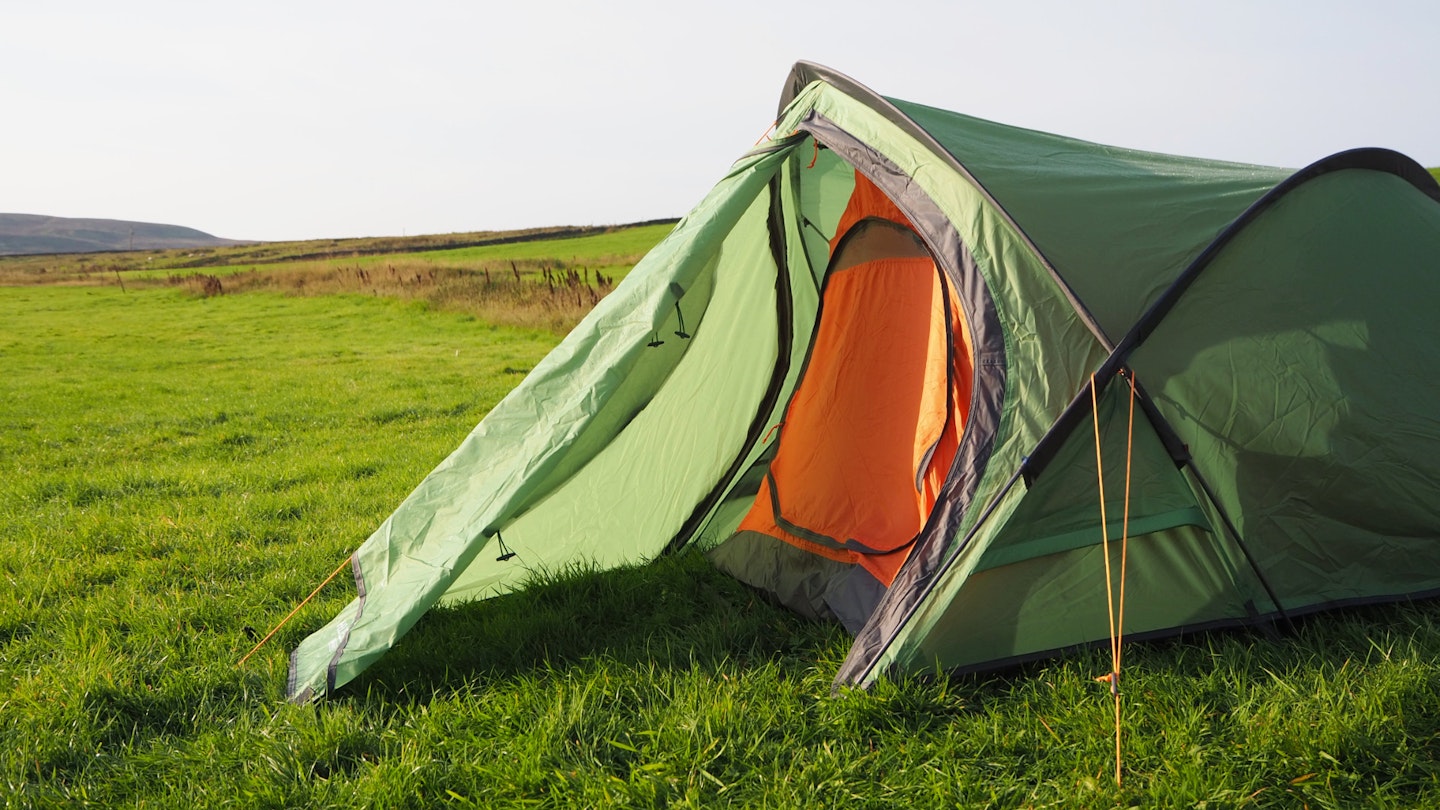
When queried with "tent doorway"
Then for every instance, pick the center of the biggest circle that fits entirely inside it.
(870, 433)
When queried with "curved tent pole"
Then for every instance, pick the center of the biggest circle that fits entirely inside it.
(1372, 158)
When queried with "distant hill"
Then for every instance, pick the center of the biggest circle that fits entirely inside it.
(31, 233)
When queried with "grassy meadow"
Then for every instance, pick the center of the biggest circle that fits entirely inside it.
(539, 278)
(178, 470)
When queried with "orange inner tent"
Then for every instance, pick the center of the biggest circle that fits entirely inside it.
(875, 421)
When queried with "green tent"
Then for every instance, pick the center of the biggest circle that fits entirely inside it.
(861, 373)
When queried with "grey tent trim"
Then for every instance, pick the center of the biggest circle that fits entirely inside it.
(806, 72)
(987, 341)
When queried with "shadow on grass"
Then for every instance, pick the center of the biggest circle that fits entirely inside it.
(677, 613)
(680, 614)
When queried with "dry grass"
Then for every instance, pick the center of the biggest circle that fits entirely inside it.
(507, 293)
(540, 279)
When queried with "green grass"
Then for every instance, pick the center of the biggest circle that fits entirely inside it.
(176, 473)
(573, 251)
(617, 248)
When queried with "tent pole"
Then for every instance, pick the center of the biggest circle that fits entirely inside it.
(1181, 455)
(1239, 542)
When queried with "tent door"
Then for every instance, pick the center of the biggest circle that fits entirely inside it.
(869, 433)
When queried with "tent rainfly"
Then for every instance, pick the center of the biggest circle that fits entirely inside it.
(872, 371)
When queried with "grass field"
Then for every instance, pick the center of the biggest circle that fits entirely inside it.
(544, 278)
(177, 472)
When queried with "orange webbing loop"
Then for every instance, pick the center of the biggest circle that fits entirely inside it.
(277, 627)
(766, 133)
(1116, 612)
(771, 432)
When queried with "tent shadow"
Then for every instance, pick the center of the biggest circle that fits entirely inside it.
(679, 613)
(676, 613)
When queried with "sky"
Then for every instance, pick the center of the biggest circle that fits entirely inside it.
(309, 119)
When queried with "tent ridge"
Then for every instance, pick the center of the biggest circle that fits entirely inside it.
(806, 72)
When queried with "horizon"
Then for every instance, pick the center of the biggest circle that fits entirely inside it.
(334, 121)
(552, 225)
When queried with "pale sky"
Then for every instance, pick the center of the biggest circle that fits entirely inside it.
(298, 119)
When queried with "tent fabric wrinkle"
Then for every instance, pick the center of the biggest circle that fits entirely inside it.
(872, 400)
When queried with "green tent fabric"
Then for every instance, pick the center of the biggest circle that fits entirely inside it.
(1284, 449)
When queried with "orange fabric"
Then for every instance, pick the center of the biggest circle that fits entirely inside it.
(884, 567)
(872, 404)
(962, 383)
(855, 458)
(761, 519)
(866, 201)
(858, 432)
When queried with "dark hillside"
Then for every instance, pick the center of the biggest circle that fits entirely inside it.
(31, 233)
